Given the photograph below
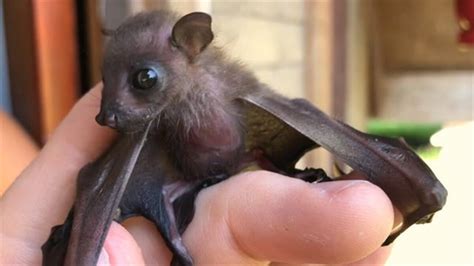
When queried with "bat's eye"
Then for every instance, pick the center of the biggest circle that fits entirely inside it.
(145, 79)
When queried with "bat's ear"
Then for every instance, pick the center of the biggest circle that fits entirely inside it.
(192, 34)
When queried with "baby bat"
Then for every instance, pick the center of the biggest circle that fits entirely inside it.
(188, 118)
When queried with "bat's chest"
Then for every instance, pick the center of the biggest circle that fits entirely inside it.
(212, 149)
(219, 137)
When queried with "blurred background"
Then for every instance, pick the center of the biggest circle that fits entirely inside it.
(402, 68)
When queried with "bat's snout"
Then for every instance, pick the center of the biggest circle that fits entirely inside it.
(107, 118)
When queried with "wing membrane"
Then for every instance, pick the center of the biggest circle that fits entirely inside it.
(388, 163)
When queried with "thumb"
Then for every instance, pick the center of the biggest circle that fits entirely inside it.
(120, 248)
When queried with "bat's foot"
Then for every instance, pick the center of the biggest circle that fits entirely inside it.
(312, 175)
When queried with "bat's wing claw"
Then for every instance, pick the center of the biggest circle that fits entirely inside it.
(427, 219)
(54, 250)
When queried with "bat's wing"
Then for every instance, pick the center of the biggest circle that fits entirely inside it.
(99, 192)
(285, 129)
(284, 145)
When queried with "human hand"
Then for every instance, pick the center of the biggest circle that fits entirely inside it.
(251, 218)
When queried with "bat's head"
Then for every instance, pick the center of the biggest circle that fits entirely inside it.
(150, 64)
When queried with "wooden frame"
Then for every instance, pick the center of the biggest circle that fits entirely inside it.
(42, 60)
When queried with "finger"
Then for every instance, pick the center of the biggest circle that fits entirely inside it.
(379, 257)
(120, 248)
(42, 195)
(398, 217)
(154, 249)
(268, 217)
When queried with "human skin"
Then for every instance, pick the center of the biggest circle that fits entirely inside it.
(254, 217)
(17, 150)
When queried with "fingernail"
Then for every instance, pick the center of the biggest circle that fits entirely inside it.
(398, 220)
(103, 258)
(337, 187)
(351, 184)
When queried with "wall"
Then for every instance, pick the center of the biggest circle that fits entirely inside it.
(423, 74)
(420, 34)
(267, 37)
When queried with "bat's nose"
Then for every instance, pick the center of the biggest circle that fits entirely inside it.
(107, 118)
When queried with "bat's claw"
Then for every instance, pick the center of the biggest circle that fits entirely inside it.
(54, 250)
(427, 219)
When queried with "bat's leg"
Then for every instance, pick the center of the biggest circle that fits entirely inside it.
(148, 197)
(178, 200)
(54, 250)
(154, 202)
(169, 194)
(172, 211)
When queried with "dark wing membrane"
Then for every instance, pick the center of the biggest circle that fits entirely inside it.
(388, 163)
(99, 191)
(282, 145)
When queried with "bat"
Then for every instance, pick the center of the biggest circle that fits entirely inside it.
(188, 118)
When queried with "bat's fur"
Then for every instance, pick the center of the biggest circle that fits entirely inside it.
(199, 121)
